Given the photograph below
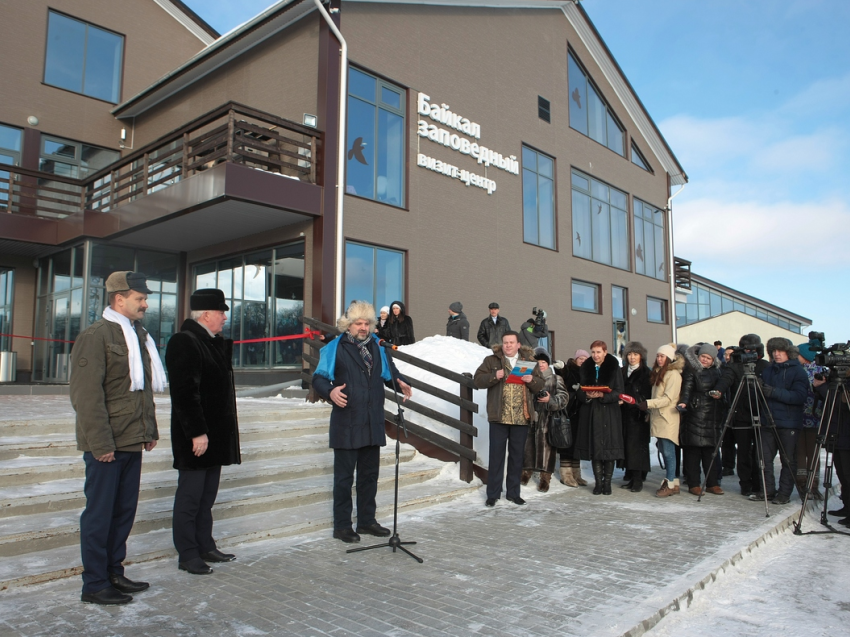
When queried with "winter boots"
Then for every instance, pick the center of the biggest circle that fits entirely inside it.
(567, 476)
(608, 473)
(543, 484)
(526, 476)
(667, 489)
(598, 469)
(577, 473)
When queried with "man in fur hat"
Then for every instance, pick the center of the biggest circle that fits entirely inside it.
(352, 372)
(510, 406)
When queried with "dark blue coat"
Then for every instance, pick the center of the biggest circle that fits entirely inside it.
(790, 389)
(361, 422)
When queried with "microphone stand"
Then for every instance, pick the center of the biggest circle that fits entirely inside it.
(394, 541)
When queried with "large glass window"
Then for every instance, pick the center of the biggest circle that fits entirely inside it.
(373, 274)
(638, 159)
(11, 139)
(589, 114)
(375, 166)
(538, 198)
(600, 222)
(705, 302)
(656, 310)
(650, 246)
(73, 159)
(83, 58)
(7, 288)
(585, 296)
(265, 292)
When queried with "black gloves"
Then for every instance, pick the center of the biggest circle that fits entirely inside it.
(641, 404)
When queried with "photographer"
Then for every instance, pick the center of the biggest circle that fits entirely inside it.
(785, 386)
(839, 427)
(742, 423)
(534, 329)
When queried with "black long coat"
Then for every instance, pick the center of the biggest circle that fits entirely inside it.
(600, 425)
(203, 399)
(636, 422)
(570, 374)
(703, 417)
(361, 422)
(400, 328)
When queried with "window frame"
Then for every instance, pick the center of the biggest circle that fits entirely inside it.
(589, 193)
(380, 83)
(554, 181)
(644, 165)
(665, 314)
(7, 308)
(589, 83)
(597, 295)
(375, 248)
(81, 171)
(644, 221)
(119, 91)
(15, 154)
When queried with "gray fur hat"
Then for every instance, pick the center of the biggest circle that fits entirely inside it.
(637, 347)
(780, 344)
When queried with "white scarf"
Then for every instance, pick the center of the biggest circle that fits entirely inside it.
(137, 370)
(632, 368)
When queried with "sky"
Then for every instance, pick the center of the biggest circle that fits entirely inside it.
(754, 99)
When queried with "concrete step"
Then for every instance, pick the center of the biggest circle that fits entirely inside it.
(40, 532)
(64, 561)
(62, 495)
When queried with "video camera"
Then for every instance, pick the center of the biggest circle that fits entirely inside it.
(741, 355)
(539, 316)
(836, 357)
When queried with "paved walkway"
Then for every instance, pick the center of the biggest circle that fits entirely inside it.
(568, 563)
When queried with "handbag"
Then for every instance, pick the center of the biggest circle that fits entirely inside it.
(560, 430)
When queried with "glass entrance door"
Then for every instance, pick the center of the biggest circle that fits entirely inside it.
(58, 352)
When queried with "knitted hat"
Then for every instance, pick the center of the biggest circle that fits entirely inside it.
(581, 352)
(708, 350)
(668, 350)
(385, 309)
(456, 307)
(806, 352)
(540, 354)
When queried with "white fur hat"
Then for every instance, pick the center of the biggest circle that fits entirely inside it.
(356, 311)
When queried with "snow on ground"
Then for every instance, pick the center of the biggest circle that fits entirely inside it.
(793, 585)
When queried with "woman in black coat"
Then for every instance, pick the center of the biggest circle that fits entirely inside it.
(702, 420)
(600, 425)
(637, 384)
(570, 466)
(400, 326)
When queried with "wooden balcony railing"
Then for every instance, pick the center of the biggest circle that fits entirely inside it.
(231, 133)
(682, 272)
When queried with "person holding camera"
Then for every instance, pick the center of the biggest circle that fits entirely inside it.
(636, 384)
(732, 376)
(704, 411)
(839, 427)
(785, 386)
(539, 453)
(534, 329)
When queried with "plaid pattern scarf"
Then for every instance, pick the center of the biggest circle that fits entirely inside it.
(363, 346)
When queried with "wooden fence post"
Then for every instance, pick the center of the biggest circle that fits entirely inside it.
(465, 438)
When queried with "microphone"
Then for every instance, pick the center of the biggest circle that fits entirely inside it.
(386, 344)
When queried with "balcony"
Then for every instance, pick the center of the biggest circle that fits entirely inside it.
(231, 154)
(682, 274)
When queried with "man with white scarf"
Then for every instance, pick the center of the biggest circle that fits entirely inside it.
(115, 368)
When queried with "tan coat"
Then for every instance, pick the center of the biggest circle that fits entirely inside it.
(663, 416)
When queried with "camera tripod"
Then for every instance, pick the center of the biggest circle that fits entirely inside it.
(394, 541)
(835, 392)
(749, 383)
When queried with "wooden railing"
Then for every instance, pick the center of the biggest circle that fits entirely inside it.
(462, 449)
(230, 133)
(682, 272)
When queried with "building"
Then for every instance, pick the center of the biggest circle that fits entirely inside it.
(493, 151)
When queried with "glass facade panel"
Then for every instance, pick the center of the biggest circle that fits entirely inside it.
(578, 97)
(589, 114)
(656, 310)
(597, 116)
(600, 223)
(538, 199)
(581, 225)
(585, 297)
(373, 274)
(650, 244)
(615, 136)
(7, 306)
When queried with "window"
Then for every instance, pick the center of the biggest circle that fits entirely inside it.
(543, 109)
(638, 159)
(375, 167)
(656, 310)
(7, 287)
(10, 145)
(650, 246)
(538, 198)
(83, 58)
(600, 222)
(73, 159)
(589, 114)
(373, 274)
(585, 297)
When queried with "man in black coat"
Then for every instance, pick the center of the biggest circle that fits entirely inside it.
(204, 429)
(492, 328)
(352, 372)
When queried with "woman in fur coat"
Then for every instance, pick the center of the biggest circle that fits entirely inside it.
(571, 375)
(636, 384)
(600, 426)
(539, 454)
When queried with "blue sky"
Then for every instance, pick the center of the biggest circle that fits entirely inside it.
(754, 99)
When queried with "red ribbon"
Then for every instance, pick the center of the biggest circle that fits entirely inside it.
(308, 333)
(36, 338)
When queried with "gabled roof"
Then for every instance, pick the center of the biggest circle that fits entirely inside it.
(285, 12)
(189, 19)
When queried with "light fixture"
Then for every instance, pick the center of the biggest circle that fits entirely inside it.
(634, 312)
(123, 134)
(32, 120)
(310, 120)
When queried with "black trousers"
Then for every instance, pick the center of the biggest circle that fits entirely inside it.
(694, 457)
(112, 493)
(367, 462)
(841, 463)
(192, 520)
(770, 444)
(514, 437)
(728, 449)
(749, 472)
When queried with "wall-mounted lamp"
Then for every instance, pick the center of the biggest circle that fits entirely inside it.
(634, 312)
(310, 120)
(32, 120)
(123, 134)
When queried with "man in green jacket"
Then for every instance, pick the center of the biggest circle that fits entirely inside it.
(115, 368)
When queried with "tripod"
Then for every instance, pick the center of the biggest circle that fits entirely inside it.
(835, 392)
(749, 384)
(394, 541)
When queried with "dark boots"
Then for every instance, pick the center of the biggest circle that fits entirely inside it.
(630, 477)
(608, 473)
(597, 467)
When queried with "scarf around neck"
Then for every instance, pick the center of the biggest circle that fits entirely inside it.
(363, 348)
(134, 354)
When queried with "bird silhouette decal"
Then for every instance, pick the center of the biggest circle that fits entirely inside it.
(578, 238)
(661, 267)
(577, 97)
(639, 252)
(356, 151)
(599, 209)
